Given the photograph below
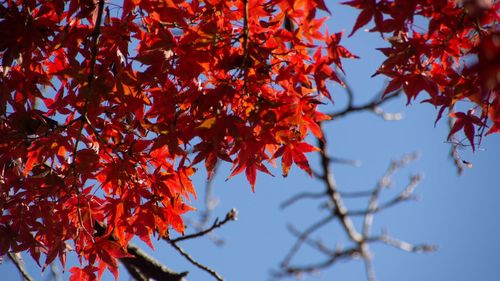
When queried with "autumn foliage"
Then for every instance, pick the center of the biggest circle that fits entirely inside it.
(106, 107)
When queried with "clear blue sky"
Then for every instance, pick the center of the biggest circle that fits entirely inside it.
(457, 213)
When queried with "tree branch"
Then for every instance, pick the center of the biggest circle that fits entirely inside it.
(300, 196)
(361, 240)
(20, 267)
(146, 266)
(331, 188)
(302, 237)
(141, 265)
(316, 244)
(297, 270)
(195, 263)
(373, 105)
(230, 216)
(405, 246)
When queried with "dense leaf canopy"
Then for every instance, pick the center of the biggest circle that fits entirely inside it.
(106, 107)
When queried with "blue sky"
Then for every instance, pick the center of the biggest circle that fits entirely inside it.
(459, 214)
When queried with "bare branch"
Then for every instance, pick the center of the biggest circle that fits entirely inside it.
(56, 276)
(300, 196)
(372, 205)
(405, 246)
(146, 266)
(335, 197)
(209, 201)
(356, 194)
(338, 160)
(195, 263)
(387, 116)
(296, 270)
(230, 216)
(453, 149)
(135, 273)
(371, 105)
(20, 267)
(316, 244)
(302, 237)
(141, 264)
(212, 236)
(370, 272)
(385, 182)
(339, 210)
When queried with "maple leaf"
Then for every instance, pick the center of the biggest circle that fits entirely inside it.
(367, 13)
(138, 98)
(336, 51)
(295, 153)
(467, 122)
(494, 114)
(83, 274)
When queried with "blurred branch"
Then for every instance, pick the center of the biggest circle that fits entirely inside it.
(373, 105)
(454, 151)
(56, 275)
(19, 265)
(360, 240)
(405, 246)
(316, 244)
(303, 237)
(311, 268)
(331, 189)
(300, 196)
(210, 203)
(345, 161)
(355, 194)
(135, 273)
(404, 195)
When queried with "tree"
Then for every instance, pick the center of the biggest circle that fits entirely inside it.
(108, 109)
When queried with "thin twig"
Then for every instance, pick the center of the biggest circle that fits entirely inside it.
(405, 246)
(372, 205)
(316, 244)
(303, 236)
(230, 216)
(195, 263)
(198, 226)
(300, 196)
(293, 270)
(90, 79)
(372, 105)
(209, 205)
(338, 160)
(355, 194)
